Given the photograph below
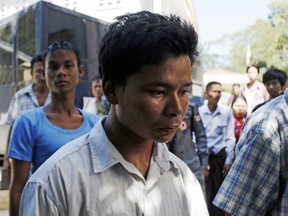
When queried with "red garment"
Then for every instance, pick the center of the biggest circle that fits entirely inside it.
(238, 127)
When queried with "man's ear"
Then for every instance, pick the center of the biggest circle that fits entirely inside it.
(109, 89)
(81, 71)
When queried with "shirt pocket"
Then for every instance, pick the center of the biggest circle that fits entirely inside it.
(220, 128)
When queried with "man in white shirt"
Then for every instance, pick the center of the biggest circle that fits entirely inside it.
(91, 104)
(123, 167)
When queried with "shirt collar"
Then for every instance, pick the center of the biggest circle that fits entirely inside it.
(286, 95)
(207, 111)
(258, 85)
(28, 89)
(105, 155)
(163, 157)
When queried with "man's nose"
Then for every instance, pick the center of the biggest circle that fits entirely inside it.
(42, 74)
(176, 105)
(61, 70)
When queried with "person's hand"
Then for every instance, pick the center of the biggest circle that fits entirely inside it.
(227, 214)
(226, 168)
(6, 166)
(205, 172)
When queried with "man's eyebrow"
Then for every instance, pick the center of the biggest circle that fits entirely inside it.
(52, 62)
(188, 84)
(56, 62)
(164, 84)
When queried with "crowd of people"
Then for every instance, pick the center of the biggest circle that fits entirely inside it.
(116, 156)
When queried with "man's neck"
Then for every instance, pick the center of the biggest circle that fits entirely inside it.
(41, 92)
(136, 152)
(97, 100)
(62, 103)
(212, 107)
(41, 89)
(251, 83)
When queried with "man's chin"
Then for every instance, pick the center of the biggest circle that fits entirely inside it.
(164, 139)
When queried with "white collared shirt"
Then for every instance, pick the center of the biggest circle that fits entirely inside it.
(25, 99)
(90, 177)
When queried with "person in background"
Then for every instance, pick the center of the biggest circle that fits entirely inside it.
(40, 132)
(34, 95)
(236, 90)
(254, 91)
(239, 107)
(123, 166)
(91, 104)
(218, 122)
(275, 83)
(182, 145)
(104, 107)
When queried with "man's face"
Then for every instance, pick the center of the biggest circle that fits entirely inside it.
(62, 71)
(213, 94)
(153, 102)
(38, 74)
(252, 73)
(96, 87)
(274, 88)
(235, 90)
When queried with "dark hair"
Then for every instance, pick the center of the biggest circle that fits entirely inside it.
(238, 97)
(208, 86)
(63, 45)
(275, 74)
(143, 38)
(97, 77)
(236, 84)
(36, 58)
(253, 65)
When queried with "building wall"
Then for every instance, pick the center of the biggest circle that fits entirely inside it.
(108, 9)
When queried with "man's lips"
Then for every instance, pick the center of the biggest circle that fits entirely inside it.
(61, 82)
(169, 129)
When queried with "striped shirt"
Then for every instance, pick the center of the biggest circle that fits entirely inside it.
(24, 100)
(257, 182)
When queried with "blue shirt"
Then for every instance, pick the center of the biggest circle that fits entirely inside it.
(219, 129)
(257, 183)
(34, 138)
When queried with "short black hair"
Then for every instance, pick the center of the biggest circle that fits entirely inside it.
(36, 58)
(236, 84)
(64, 45)
(253, 65)
(97, 77)
(237, 98)
(275, 74)
(143, 38)
(208, 86)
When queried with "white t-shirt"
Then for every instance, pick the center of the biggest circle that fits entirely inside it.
(89, 104)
